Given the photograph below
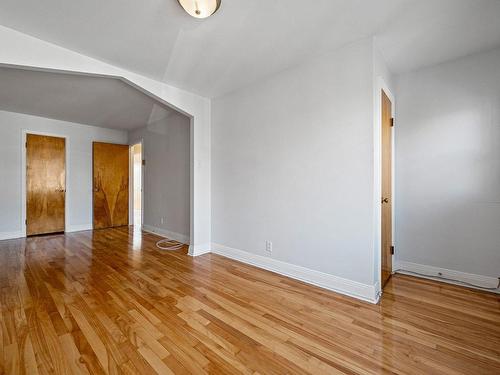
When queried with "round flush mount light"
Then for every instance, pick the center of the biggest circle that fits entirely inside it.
(200, 8)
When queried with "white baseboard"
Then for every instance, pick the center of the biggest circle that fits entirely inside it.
(78, 228)
(337, 284)
(197, 250)
(167, 234)
(10, 235)
(21, 234)
(433, 273)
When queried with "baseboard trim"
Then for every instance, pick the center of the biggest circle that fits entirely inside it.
(197, 250)
(167, 234)
(433, 273)
(337, 284)
(79, 228)
(10, 235)
(22, 234)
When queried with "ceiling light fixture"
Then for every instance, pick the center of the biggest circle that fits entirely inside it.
(200, 8)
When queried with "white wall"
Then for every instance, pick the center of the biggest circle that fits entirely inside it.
(293, 164)
(166, 176)
(380, 69)
(448, 166)
(79, 168)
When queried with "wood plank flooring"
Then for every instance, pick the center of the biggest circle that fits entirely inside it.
(108, 302)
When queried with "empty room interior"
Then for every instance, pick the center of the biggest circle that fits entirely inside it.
(250, 187)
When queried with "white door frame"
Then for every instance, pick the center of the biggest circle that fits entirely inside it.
(24, 132)
(377, 207)
(131, 183)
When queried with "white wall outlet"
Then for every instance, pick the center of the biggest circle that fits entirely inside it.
(269, 246)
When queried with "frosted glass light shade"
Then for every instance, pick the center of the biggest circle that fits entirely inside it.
(200, 8)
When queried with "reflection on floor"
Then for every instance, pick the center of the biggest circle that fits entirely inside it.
(109, 302)
(137, 218)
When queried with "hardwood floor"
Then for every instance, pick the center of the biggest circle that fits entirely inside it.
(107, 302)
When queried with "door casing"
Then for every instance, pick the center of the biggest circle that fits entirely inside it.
(381, 84)
(131, 182)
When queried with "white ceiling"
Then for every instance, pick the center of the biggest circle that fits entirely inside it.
(103, 102)
(249, 39)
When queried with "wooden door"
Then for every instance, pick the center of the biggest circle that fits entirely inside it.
(45, 184)
(111, 174)
(386, 188)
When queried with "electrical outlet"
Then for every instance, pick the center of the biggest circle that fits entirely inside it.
(269, 246)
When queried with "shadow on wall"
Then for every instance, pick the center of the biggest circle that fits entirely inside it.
(448, 166)
(166, 175)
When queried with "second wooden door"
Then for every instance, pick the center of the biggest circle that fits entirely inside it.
(111, 185)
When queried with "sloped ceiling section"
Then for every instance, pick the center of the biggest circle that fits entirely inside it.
(97, 101)
(247, 40)
(432, 32)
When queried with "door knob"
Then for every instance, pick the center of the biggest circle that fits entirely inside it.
(385, 200)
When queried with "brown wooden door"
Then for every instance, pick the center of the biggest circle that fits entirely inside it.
(386, 188)
(111, 174)
(45, 184)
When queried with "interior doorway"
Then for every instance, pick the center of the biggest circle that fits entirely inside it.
(45, 184)
(137, 184)
(386, 189)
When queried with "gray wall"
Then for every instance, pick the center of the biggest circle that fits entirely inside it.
(292, 162)
(166, 175)
(79, 167)
(448, 165)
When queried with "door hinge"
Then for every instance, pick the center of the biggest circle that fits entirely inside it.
(392, 121)
(26, 144)
(392, 250)
(25, 221)
(143, 161)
